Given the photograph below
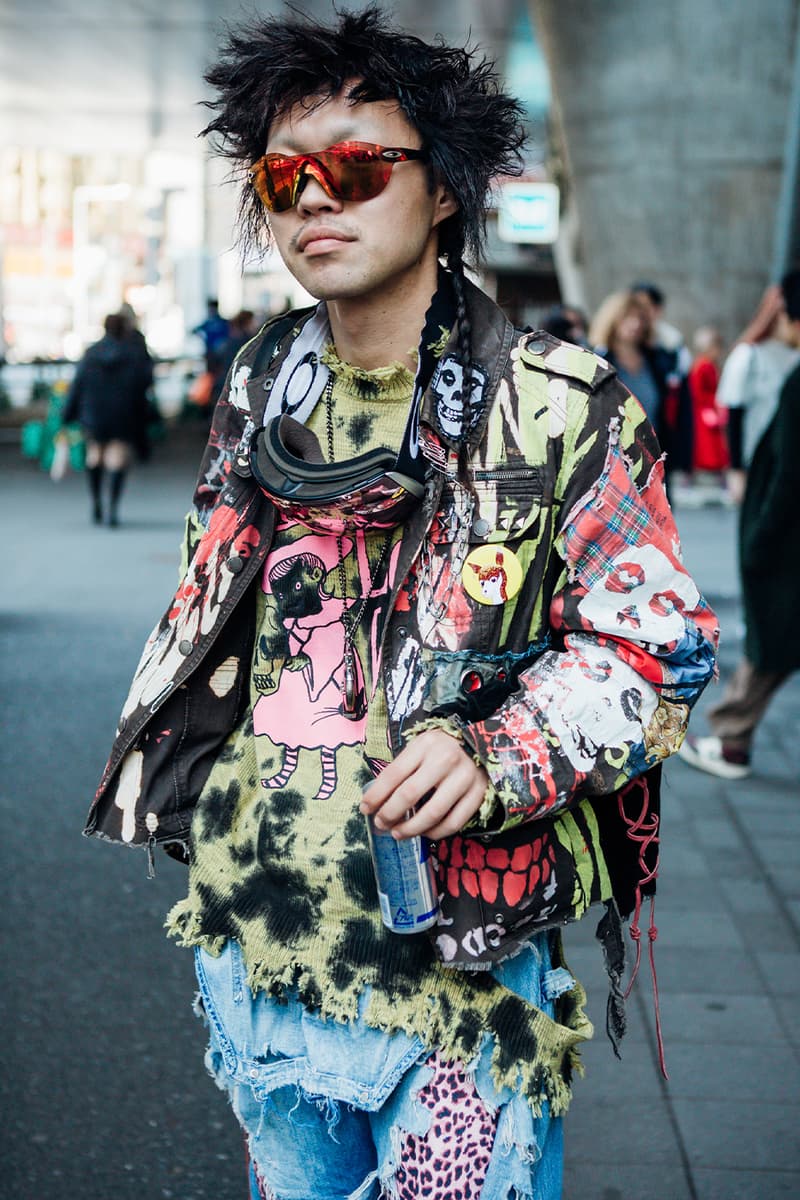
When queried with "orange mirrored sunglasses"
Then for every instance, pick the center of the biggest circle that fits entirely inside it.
(347, 171)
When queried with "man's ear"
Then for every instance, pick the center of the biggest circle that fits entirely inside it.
(446, 204)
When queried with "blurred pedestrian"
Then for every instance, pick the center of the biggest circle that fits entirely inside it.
(567, 323)
(432, 555)
(751, 380)
(241, 328)
(769, 551)
(663, 334)
(621, 332)
(133, 334)
(109, 398)
(213, 330)
(710, 445)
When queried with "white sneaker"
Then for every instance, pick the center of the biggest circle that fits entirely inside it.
(708, 754)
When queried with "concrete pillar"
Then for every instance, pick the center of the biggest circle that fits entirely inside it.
(674, 122)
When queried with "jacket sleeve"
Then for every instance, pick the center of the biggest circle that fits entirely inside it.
(228, 429)
(769, 509)
(632, 640)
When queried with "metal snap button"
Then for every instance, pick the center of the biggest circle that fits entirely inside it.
(185, 647)
(235, 564)
(537, 347)
(267, 385)
(481, 527)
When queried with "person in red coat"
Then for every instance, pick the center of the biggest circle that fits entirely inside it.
(710, 419)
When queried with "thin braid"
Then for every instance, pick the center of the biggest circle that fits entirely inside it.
(456, 265)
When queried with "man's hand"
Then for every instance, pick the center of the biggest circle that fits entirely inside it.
(432, 763)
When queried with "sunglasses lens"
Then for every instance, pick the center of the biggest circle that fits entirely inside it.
(358, 171)
(275, 179)
(352, 171)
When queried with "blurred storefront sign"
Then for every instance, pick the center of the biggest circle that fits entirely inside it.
(527, 212)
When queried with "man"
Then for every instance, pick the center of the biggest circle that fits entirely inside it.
(213, 330)
(769, 550)
(430, 554)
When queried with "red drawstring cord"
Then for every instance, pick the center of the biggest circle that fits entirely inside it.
(644, 830)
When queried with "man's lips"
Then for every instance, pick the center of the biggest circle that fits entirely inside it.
(320, 234)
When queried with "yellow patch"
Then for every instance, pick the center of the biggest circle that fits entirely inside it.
(491, 575)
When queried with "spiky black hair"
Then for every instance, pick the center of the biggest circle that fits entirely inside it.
(453, 98)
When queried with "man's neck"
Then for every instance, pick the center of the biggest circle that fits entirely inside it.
(378, 329)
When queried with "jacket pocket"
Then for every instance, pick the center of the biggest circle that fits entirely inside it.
(505, 502)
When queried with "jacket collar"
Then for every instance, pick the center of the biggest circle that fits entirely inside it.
(492, 336)
(492, 339)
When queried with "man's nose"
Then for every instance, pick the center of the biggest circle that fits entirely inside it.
(315, 194)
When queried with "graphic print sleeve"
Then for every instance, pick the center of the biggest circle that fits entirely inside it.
(228, 427)
(633, 639)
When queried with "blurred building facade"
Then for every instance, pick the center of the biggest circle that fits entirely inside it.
(107, 194)
(673, 125)
(666, 136)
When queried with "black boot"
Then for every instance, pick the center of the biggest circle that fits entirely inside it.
(117, 481)
(95, 477)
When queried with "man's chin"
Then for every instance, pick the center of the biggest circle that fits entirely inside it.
(330, 289)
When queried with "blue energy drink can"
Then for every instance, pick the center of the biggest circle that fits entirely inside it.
(406, 879)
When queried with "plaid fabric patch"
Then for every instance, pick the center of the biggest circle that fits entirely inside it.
(617, 517)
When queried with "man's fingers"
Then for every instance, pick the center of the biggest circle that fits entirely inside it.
(421, 766)
(453, 820)
(443, 789)
(391, 777)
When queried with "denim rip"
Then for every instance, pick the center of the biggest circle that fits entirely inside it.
(280, 1063)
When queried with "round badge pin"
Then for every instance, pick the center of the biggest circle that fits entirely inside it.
(492, 574)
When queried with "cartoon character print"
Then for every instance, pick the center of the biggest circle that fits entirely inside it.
(299, 661)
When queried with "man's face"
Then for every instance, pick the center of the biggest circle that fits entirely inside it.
(652, 311)
(341, 249)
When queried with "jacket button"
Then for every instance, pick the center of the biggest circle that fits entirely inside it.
(235, 564)
(537, 347)
(185, 647)
(267, 385)
(481, 527)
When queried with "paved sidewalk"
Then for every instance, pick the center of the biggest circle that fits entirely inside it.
(103, 1090)
(725, 1127)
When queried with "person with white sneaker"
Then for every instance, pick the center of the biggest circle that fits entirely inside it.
(769, 548)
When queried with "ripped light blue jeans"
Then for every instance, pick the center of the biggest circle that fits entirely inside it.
(330, 1110)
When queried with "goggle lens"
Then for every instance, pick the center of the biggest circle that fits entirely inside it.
(347, 171)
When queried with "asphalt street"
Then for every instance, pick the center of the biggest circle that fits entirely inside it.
(104, 1093)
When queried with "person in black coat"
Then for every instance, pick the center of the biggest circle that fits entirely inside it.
(108, 397)
(769, 554)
